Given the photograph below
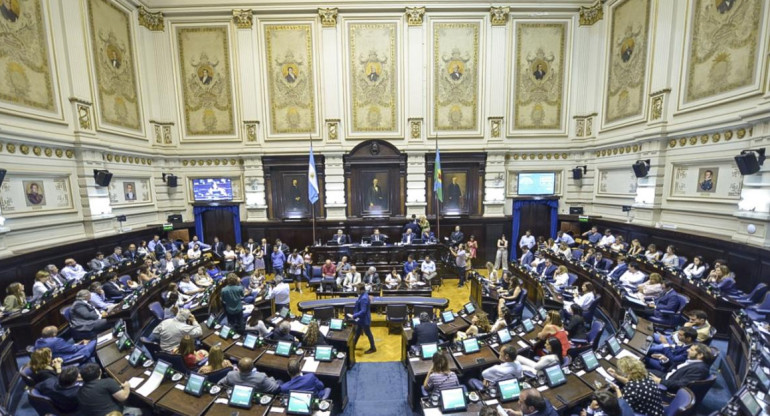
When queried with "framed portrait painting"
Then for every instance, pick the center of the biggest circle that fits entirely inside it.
(295, 202)
(35, 193)
(707, 179)
(455, 192)
(376, 192)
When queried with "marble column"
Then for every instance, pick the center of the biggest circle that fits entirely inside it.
(494, 185)
(416, 181)
(334, 178)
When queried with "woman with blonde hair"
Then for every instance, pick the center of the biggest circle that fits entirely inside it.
(636, 248)
(651, 288)
(479, 324)
(491, 273)
(16, 299)
(564, 251)
(313, 336)
(43, 365)
(216, 360)
(639, 390)
(561, 277)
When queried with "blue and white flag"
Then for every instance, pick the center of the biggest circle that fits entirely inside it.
(312, 180)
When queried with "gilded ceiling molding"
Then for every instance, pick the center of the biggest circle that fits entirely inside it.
(591, 14)
(328, 16)
(499, 15)
(415, 128)
(495, 125)
(150, 20)
(243, 18)
(251, 128)
(414, 15)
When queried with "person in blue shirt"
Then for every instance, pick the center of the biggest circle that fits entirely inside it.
(299, 381)
(663, 358)
(619, 268)
(410, 265)
(362, 315)
(565, 238)
(277, 259)
(63, 349)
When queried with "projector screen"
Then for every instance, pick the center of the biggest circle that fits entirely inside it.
(537, 183)
(218, 189)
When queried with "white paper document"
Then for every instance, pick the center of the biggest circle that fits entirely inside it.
(151, 384)
(104, 338)
(626, 353)
(310, 366)
(605, 374)
(135, 381)
(297, 326)
(522, 344)
(433, 411)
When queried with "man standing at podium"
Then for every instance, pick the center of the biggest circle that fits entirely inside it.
(362, 316)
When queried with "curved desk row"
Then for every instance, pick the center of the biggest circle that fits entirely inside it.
(340, 303)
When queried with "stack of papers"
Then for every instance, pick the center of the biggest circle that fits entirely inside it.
(324, 329)
(297, 326)
(310, 366)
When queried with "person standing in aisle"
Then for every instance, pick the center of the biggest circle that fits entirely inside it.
(362, 316)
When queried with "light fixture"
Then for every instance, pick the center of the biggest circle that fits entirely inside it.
(170, 180)
(102, 177)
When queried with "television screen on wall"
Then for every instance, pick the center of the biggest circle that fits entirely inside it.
(212, 189)
(531, 183)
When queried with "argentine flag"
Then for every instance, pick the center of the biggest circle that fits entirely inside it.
(312, 180)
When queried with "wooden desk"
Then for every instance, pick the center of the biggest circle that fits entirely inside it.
(448, 330)
(108, 353)
(122, 371)
(274, 364)
(418, 369)
(639, 343)
(222, 409)
(179, 402)
(520, 343)
(485, 357)
(592, 377)
(568, 394)
(214, 338)
(473, 409)
(158, 393)
(239, 351)
(386, 257)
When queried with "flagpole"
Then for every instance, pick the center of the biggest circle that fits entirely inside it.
(438, 208)
(312, 206)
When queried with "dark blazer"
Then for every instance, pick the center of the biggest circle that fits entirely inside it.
(549, 272)
(83, 316)
(549, 410)
(160, 251)
(131, 255)
(115, 259)
(64, 398)
(218, 248)
(668, 301)
(527, 258)
(619, 271)
(373, 279)
(456, 237)
(576, 327)
(340, 239)
(112, 291)
(685, 375)
(413, 237)
(676, 355)
(602, 264)
(425, 333)
(361, 311)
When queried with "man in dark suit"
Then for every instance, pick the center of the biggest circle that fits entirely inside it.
(668, 301)
(661, 358)
(408, 236)
(454, 193)
(160, 249)
(84, 317)
(619, 268)
(413, 225)
(426, 332)
(62, 390)
(131, 254)
(218, 247)
(282, 247)
(546, 269)
(362, 316)
(377, 236)
(340, 238)
(98, 262)
(695, 368)
(63, 349)
(116, 257)
(113, 289)
(598, 262)
(456, 237)
(533, 403)
(251, 245)
(526, 257)
(371, 277)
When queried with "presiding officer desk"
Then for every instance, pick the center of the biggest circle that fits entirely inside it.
(386, 257)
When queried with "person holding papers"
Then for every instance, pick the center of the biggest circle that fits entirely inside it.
(301, 382)
(245, 374)
(553, 357)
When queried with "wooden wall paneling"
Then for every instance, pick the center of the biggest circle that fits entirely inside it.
(375, 159)
(279, 172)
(469, 168)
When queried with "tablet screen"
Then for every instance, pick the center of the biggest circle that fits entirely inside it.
(335, 324)
(306, 318)
(504, 335)
(211, 321)
(759, 373)
(632, 316)
(195, 384)
(299, 403)
(241, 396)
(250, 341)
(427, 350)
(135, 356)
(161, 367)
(589, 360)
(470, 345)
(555, 376)
(628, 330)
(447, 316)
(118, 326)
(284, 312)
(124, 342)
(750, 403)
(224, 332)
(613, 345)
(469, 308)
(509, 389)
(543, 314)
(528, 325)
(323, 353)
(452, 400)
(415, 322)
(283, 348)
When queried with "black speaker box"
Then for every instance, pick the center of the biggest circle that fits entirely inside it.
(576, 210)
(640, 169)
(747, 163)
(171, 181)
(102, 177)
(577, 173)
(2, 175)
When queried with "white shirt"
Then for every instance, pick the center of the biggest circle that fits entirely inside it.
(527, 241)
(560, 280)
(585, 299)
(606, 240)
(186, 287)
(632, 278)
(229, 255)
(694, 271)
(428, 267)
(75, 272)
(280, 293)
(193, 254)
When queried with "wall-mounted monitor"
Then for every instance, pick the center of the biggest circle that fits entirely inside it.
(212, 189)
(533, 183)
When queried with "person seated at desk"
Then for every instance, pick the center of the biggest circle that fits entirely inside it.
(593, 235)
(532, 403)
(620, 268)
(598, 262)
(62, 390)
(428, 269)
(340, 238)
(43, 365)
(652, 288)
(167, 263)
(509, 290)
(56, 278)
(371, 277)
(723, 279)
(377, 237)
(393, 279)
(171, 305)
(408, 237)
(564, 251)
(411, 280)
(636, 248)
(426, 332)
(215, 274)
(633, 277)
(191, 357)
(171, 331)
(526, 258)
(84, 316)
(352, 280)
(553, 327)
(98, 263)
(574, 323)
(427, 236)
(257, 288)
(608, 403)
(479, 324)
(652, 254)
(187, 287)
(202, 279)
(328, 273)
(301, 382)
(153, 244)
(342, 267)
(102, 396)
(607, 239)
(553, 356)
(439, 376)
(281, 293)
(132, 254)
(203, 246)
(116, 258)
(493, 277)
(313, 335)
(216, 361)
(698, 320)
(619, 244)
(586, 297)
(560, 278)
(255, 323)
(565, 238)
(537, 261)
(695, 368)
(546, 269)
(508, 368)
(588, 254)
(194, 253)
(245, 373)
(505, 317)
(147, 273)
(173, 289)
(695, 269)
(410, 265)
(98, 299)
(413, 225)
(112, 289)
(42, 285)
(63, 349)
(668, 301)
(283, 332)
(662, 358)
(552, 245)
(670, 259)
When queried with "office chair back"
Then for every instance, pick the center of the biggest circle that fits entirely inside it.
(597, 327)
(700, 388)
(153, 347)
(124, 280)
(590, 311)
(682, 262)
(66, 313)
(572, 279)
(43, 405)
(577, 253)
(325, 393)
(26, 375)
(396, 313)
(157, 310)
(245, 281)
(683, 403)
(418, 309)
(518, 309)
(215, 376)
(765, 305)
(324, 314)
(176, 361)
(755, 295)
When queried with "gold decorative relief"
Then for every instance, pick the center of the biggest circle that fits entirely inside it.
(415, 128)
(150, 20)
(591, 14)
(580, 127)
(415, 15)
(251, 130)
(158, 134)
(24, 149)
(37, 150)
(328, 16)
(495, 124)
(456, 76)
(59, 152)
(332, 129)
(243, 18)
(656, 107)
(499, 15)
(84, 116)
(167, 135)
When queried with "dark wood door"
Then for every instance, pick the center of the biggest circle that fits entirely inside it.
(218, 223)
(536, 218)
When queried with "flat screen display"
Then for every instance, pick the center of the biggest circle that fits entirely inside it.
(555, 376)
(528, 325)
(759, 373)
(542, 313)
(161, 367)
(613, 345)
(447, 317)
(589, 360)
(195, 384)
(124, 342)
(749, 403)
(469, 308)
(211, 321)
(531, 183)
(135, 356)
(241, 396)
(504, 335)
(628, 329)
(212, 189)
(224, 332)
(323, 353)
(470, 345)
(509, 389)
(452, 400)
(632, 316)
(306, 318)
(300, 403)
(284, 312)
(118, 327)
(428, 350)
(250, 341)
(283, 348)
(335, 324)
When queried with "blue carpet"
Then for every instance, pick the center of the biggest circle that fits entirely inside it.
(377, 389)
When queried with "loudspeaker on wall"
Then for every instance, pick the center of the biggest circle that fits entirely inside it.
(102, 177)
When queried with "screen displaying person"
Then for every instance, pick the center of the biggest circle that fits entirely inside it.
(205, 77)
(454, 193)
(34, 196)
(375, 197)
(295, 196)
(216, 190)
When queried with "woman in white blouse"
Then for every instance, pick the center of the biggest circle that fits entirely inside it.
(393, 279)
(553, 357)
(411, 279)
(670, 259)
(584, 300)
(651, 288)
(565, 251)
(561, 277)
(619, 244)
(695, 269)
(652, 254)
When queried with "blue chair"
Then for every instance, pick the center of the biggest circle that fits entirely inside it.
(176, 361)
(43, 405)
(27, 376)
(124, 280)
(215, 376)
(324, 314)
(577, 253)
(245, 281)
(395, 316)
(316, 277)
(683, 403)
(518, 308)
(152, 346)
(700, 388)
(682, 262)
(754, 296)
(670, 318)
(591, 341)
(590, 311)
(759, 311)
(157, 310)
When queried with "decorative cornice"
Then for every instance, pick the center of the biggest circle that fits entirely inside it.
(414, 15)
(328, 16)
(79, 101)
(243, 18)
(499, 15)
(150, 20)
(591, 14)
(540, 156)
(619, 150)
(715, 137)
(663, 91)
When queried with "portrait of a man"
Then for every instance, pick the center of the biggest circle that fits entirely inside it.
(539, 73)
(627, 49)
(291, 77)
(129, 191)
(374, 191)
(454, 193)
(9, 9)
(295, 196)
(456, 73)
(373, 75)
(707, 179)
(114, 59)
(205, 77)
(35, 193)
